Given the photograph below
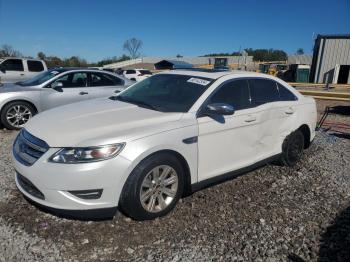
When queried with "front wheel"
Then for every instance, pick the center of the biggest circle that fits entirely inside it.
(292, 148)
(16, 114)
(153, 188)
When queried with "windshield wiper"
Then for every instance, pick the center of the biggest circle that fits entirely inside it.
(136, 102)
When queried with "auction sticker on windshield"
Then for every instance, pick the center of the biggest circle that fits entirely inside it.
(198, 81)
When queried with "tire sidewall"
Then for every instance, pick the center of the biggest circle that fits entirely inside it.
(130, 200)
(289, 141)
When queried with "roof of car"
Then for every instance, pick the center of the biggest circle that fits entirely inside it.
(65, 69)
(21, 58)
(212, 73)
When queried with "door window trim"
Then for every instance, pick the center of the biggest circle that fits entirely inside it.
(122, 82)
(205, 103)
(250, 98)
(48, 85)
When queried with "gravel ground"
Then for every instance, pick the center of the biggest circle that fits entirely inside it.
(273, 213)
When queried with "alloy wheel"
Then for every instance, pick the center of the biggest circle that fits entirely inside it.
(18, 115)
(159, 188)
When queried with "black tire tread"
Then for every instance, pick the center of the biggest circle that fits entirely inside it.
(284, 156)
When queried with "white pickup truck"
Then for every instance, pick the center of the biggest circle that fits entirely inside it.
(19, 69)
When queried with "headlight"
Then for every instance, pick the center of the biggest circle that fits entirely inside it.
(86, 154)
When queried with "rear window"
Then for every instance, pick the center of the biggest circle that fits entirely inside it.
(145, 72)
(35, 66)
(263, 91)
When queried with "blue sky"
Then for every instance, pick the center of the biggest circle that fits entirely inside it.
(96, 29)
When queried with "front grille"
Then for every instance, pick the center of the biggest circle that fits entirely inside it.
(29, 187)
(27, 149)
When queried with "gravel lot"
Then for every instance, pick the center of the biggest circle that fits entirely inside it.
(273, 213)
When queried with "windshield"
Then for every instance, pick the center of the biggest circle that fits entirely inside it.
(166, 92)
(41, 78)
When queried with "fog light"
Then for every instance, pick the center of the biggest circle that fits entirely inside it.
(87, 194)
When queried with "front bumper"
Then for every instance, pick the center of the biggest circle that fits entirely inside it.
(49, 185)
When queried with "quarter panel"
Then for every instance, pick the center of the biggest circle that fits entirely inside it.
(138, 150)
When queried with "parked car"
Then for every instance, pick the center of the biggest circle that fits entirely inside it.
(56, 87)
(163, 137)
(20, 69)
(137, 74)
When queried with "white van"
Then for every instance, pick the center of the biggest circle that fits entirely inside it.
(19, 69)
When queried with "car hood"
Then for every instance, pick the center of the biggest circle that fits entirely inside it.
(12, 87)
(99, 122)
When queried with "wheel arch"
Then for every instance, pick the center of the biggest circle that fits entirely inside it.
(19, 100)
(184, 164)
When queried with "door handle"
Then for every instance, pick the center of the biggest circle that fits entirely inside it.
(22, 74)
(250, 119)
(289, 111)
(83, 93)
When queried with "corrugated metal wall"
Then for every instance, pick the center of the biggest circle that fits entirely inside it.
(331, 53)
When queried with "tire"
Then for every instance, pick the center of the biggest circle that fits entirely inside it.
(292, 148)
(137, 187)
(25, 111)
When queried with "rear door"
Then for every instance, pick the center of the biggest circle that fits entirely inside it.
(265, 97)
(287, 111)
(74, 89)
(104, 85)
(14, 70)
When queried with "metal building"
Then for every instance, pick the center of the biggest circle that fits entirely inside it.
(331, 59)
(171, 64)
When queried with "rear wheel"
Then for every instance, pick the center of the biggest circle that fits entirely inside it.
(292, 148)
(153, 188)
(16, 114)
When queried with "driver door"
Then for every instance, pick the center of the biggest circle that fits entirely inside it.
(67, 89)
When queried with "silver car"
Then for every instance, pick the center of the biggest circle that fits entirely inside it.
(56, 87)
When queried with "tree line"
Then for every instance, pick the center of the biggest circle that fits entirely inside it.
(261, 54)
(131, 46)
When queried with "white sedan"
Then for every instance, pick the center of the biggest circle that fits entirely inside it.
(161, 138)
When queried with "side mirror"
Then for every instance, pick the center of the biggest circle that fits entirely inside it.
(57, 86)
(219, 109)
(2, 68)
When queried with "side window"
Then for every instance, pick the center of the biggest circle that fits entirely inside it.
(13, 65)
(235, 93)
(99, 79)
(263, 91)
(78, 79)
(285, 94)
(130, 72)
(35, 66)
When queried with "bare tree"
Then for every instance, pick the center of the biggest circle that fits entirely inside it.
(133, 46)
(8, 51)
